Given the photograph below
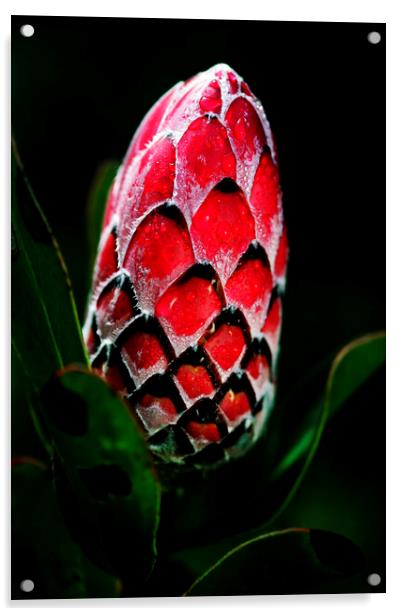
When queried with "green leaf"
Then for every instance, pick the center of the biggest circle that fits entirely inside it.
(289, 561)
(45, 327)
(352, 366)
(105, 476)
(280, 475)
(43, 550)
(97, 198)
(332, 315)
(25, 438)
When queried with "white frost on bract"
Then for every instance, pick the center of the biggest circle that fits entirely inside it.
(198, 443)
(256, 314)
(262, 416)
(273, 343)
(260, 385)
(127, 190)
(188, 201)
(271, 243)
(186, 399)
(233, 423)
(224, 374)
(167, 449)
(223, 261)
(246, 171)
(108, 327)
(140, 375)
(154, 417)
(182, 342)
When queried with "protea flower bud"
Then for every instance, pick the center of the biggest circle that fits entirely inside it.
(185, 314)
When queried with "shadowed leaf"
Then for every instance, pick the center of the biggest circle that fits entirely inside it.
(43, 549)
(45, 327)
(283, 562)
(26, 437)
(97, 198)
(277, 484)
(104, 473)
(352, 366)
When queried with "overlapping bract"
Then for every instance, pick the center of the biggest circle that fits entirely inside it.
(185, 315)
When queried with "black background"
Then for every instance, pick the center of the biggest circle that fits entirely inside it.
(80, 87)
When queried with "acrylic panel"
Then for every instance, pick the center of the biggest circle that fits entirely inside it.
(198, 307)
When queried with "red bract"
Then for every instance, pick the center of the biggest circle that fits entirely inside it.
(186, 309)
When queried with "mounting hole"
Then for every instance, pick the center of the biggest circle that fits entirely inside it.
(27, 585)
(374, 37)
(374, 579)
(27, 30)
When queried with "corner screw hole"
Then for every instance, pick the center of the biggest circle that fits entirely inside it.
(27, 585)
(27, 30)
(374, 37)
(374, 579)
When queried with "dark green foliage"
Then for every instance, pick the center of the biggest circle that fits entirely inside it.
(290, 561)
(105, 467)
(96, 498)
(266, 495)
(96, 205)
(86, 429)
(45, 330)
(43, 549)
(351, 367)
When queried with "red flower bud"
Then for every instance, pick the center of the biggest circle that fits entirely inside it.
(185, 314)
